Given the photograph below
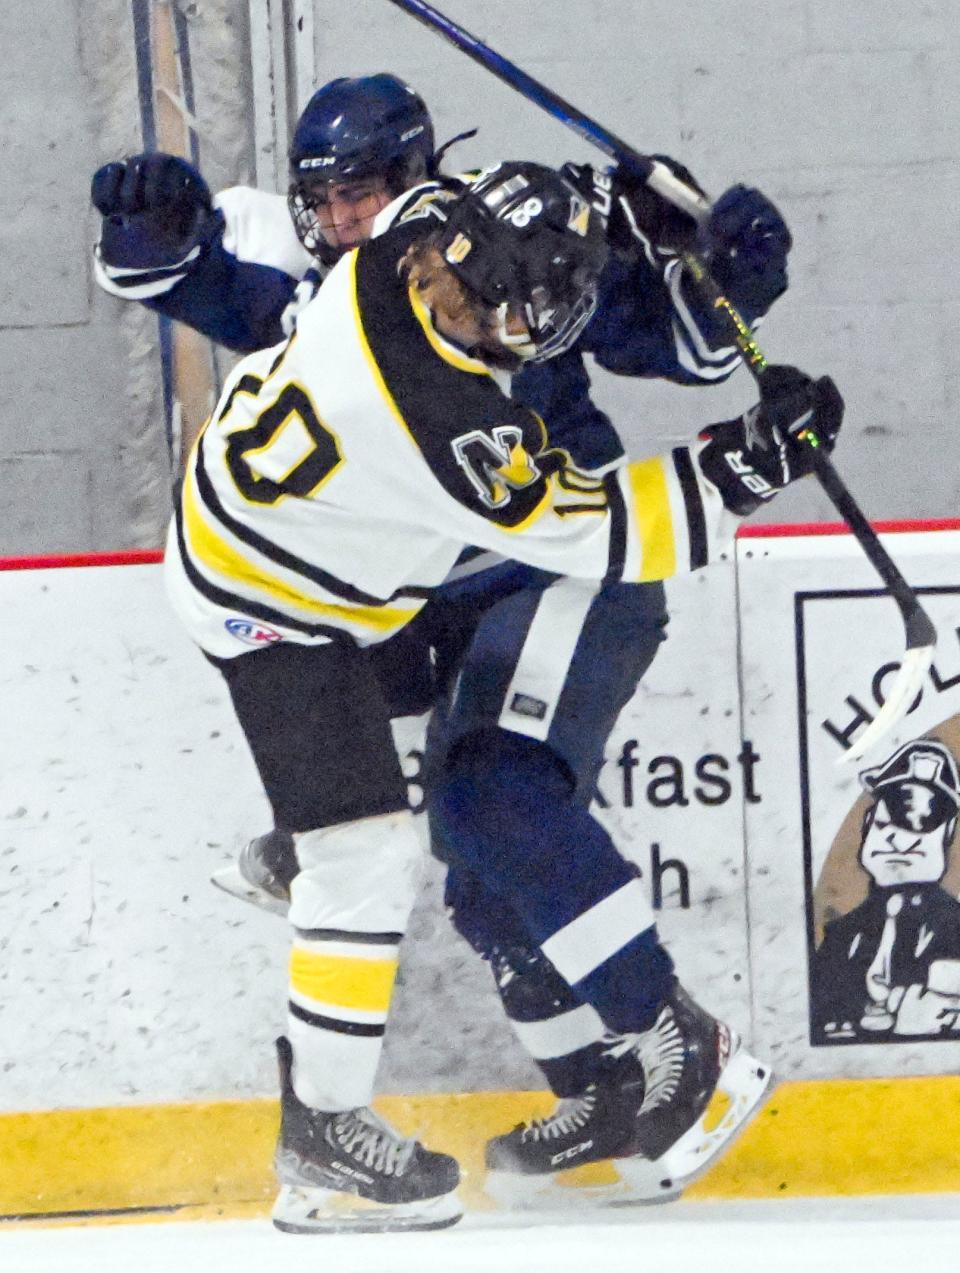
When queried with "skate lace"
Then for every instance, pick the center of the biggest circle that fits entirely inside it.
(369, 1140)
(571, 1114)
(661, 1052)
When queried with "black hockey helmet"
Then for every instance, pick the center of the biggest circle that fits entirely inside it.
(522, 235)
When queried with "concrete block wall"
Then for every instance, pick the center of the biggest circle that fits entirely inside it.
(61, 361)
(83, 456)
(846, 112)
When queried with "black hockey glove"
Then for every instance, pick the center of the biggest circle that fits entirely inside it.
(750, 459)
(745, 244)
(161, 197)
(639, 213)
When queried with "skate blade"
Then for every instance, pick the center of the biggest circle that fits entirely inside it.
(743, 1083)
(598, 1184)
(231, 881)
(300, 1210)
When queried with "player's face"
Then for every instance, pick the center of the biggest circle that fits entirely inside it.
(345, 210)
(898, 854)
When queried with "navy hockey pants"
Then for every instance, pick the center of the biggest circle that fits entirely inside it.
(513, 761)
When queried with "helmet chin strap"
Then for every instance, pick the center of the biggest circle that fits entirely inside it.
(519, 344)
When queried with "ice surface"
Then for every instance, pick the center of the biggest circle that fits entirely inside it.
(876, 1235)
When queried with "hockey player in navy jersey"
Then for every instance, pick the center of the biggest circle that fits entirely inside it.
(236, 268)
(340, 477)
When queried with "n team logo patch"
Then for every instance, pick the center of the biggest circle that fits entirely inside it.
(496, 466)
(251, 633)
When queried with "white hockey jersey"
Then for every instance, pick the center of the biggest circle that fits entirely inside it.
(342, 473)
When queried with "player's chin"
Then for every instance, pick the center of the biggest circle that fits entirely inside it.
(341, 241)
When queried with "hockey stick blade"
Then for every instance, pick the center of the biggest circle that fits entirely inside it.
(913, 670)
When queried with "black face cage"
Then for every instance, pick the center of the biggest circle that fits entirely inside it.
(555, 326)
(400, 175)
(303, 216)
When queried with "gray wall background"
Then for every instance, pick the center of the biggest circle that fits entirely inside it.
(846, 112)
(83, 455)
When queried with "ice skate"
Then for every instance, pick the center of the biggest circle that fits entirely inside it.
(537, 1164)
(350, 1172)
(263, 872)
(647, 1117)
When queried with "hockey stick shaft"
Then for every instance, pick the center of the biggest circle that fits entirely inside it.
(920, 631)
(656, 175)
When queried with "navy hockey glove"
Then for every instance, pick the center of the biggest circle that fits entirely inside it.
(745, 243)
(157, 203)
(640, 214)
(750, 459)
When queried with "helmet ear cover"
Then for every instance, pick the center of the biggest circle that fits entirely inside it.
(523, 236)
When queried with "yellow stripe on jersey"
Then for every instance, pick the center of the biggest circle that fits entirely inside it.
(461, 361)
(223, 559)
(654, 524)
(364, 985)
(535, 513)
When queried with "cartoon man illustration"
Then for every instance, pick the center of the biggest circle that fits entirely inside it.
(891, 967)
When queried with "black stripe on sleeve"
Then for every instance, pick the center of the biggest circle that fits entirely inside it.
(618, 528)
(333, 1023)
(565, 510)
(243, 605)
(693, 503)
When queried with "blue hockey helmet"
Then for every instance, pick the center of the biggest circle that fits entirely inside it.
(353, 128)
(523, 236)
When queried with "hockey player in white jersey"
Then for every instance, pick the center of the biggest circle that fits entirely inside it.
(238, 281)
(338, 480)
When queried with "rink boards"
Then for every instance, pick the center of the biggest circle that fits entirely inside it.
(139, 1005)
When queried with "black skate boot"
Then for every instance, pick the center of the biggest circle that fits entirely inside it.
(350, 1172)
(525, 1164)
(645, 1113)
(263, 872)
(686, 1057)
